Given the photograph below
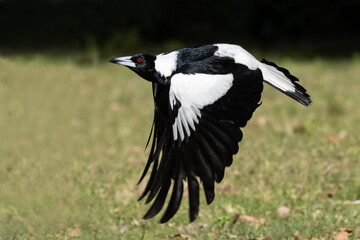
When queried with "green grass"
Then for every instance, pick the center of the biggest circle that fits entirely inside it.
(72, 144)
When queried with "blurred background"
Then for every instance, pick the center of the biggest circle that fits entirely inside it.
(73, 127)
(303, 28)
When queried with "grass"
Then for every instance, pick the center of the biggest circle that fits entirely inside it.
(72, 143)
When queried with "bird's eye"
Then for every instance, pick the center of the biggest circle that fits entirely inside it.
(139, 59)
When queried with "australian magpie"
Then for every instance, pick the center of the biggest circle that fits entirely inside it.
(202, 97)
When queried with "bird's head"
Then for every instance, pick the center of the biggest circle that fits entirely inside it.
(142, 64)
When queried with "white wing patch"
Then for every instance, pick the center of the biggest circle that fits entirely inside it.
(239, 54)
(165, 63)
(195, 91)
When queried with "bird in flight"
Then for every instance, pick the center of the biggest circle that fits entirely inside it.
(202, 97)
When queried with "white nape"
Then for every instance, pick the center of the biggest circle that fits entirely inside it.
(165, 63)
(195, 91)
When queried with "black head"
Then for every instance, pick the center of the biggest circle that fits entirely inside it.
(142, 64)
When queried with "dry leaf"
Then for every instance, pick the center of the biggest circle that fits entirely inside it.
(188, 228)
(180, 228)
(136, 222)
(336, 138)
(319, 206)
(117, 210)
(214, 234)
(323, 238)
(248, 218)
(228, 188)
(316, 213)
(261, 121)
(348, 230)
(297, 235)
(186, 191)
(335, 202)
(203, 225)
(76, 232)
(59, 234)
(283, 211)
(181, 236)
(339, 208)
(229, 209)
(332, 192)
(124, 228)
(232, 236)
(342, 236)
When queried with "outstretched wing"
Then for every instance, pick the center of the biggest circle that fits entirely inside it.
(195, 133)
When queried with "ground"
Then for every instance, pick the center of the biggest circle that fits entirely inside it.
(72, 140)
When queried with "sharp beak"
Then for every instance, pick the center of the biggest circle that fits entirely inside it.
(126, 61)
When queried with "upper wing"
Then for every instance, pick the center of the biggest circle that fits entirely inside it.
(196, 132)
(194, 92)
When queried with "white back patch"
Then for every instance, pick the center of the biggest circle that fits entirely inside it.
(165, 63)
(239, 54)
(270, 73)
(195, 91)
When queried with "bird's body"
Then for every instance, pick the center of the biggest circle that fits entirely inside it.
(202, 96)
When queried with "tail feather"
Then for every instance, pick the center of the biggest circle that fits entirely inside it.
(281, 79)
